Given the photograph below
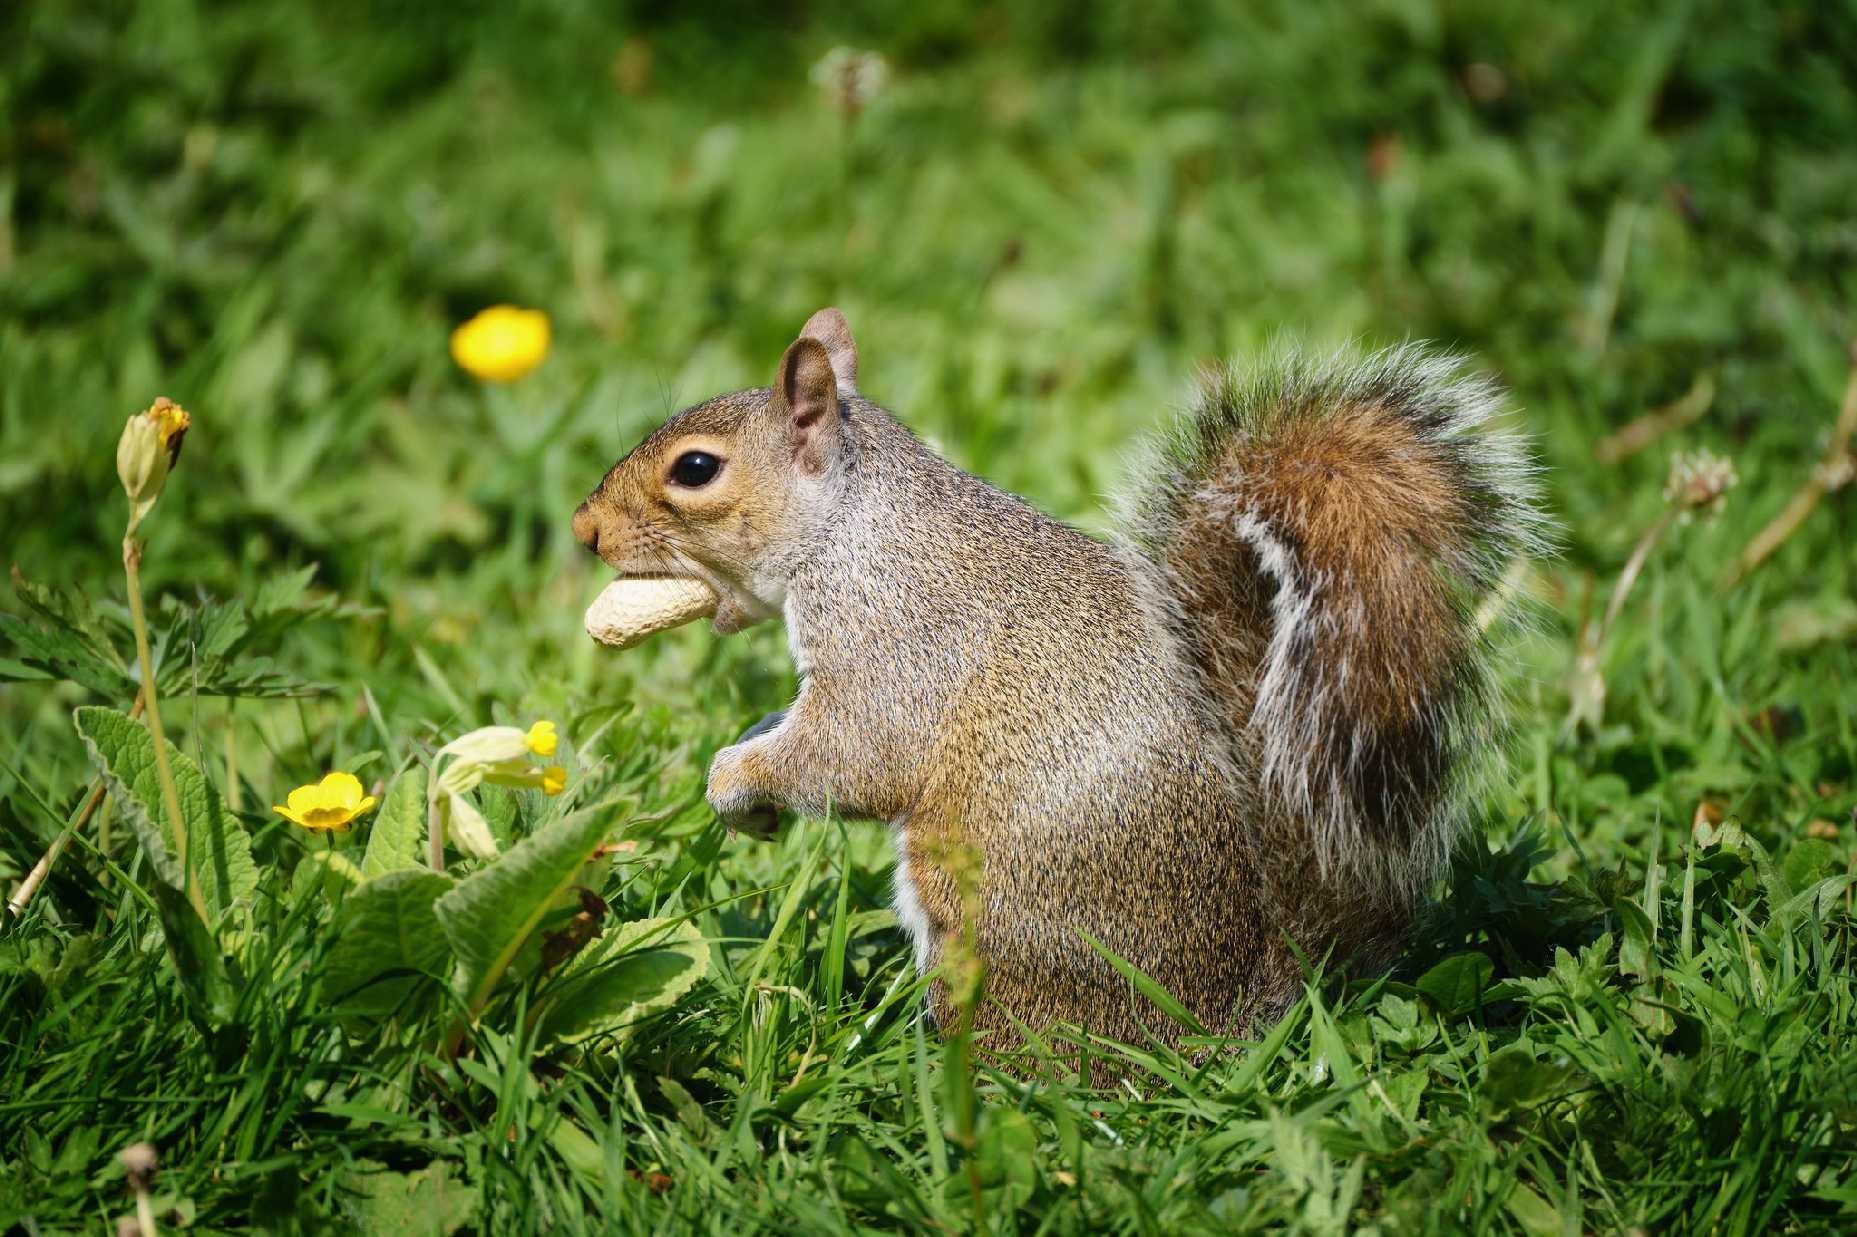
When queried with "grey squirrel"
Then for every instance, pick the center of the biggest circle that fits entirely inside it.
(1250, 719)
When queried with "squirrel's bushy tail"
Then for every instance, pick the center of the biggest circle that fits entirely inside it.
(1327, 533)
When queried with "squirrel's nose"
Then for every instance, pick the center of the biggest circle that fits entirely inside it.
(587, 528)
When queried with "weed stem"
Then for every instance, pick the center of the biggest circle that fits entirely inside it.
(1787, 522)
(22, 897)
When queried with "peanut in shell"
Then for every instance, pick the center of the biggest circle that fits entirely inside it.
(634, 607)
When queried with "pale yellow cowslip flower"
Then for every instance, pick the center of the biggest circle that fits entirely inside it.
(332, 803)
(500, 755)
(502, 343)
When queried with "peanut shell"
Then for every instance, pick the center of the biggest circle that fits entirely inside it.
(634, 607)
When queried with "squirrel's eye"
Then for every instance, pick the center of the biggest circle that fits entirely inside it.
(695, 468)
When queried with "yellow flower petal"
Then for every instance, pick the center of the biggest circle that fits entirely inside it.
(502, 343)
(542, 739)
(304, 800)
(341, 790)
(554, 778)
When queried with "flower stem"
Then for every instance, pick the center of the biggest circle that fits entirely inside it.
(438, 811)
(232, 757)
(170, 797)
(1633, 565)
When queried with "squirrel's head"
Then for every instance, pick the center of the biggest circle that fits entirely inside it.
(731, 491)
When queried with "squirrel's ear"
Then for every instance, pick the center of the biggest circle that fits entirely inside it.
(806, 395)
(829, 327)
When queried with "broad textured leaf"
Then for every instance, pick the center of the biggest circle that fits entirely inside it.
(393, 838)
(496, 910)
(1457, 984)
(124, 752)
(629, 973)
(386, 938)
(206, 976)
(497, 806)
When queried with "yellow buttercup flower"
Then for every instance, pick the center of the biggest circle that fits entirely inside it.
(542, 739)
(502, 343)
(332, 803)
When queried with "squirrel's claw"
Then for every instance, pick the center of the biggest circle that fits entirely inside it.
(736, 802)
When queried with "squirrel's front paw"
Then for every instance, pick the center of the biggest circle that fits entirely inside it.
(734, 800)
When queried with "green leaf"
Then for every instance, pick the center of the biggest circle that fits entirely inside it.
(63, 654)
(832, 962)
(1006, 1157)
(329, 873)
(1514, 1078)
(613, 984)
(124, 752)
(1809, 861)
(497, 804)
(69, 610)
(435, 1200)
(200, 650)
(386, 938)
(206, 978)
(1163, 1000)
(1456, 985)
(1818, 899)
(494, 912)
(1636, 955)
(282, 590)
(393, 840)
(1329, 1050)
(1535, 1214)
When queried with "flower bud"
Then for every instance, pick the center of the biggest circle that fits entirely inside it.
(466, 826)
(149, 447)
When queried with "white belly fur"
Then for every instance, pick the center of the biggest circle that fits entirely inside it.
(908, 907)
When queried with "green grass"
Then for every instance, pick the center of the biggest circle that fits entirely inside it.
(275, 214)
